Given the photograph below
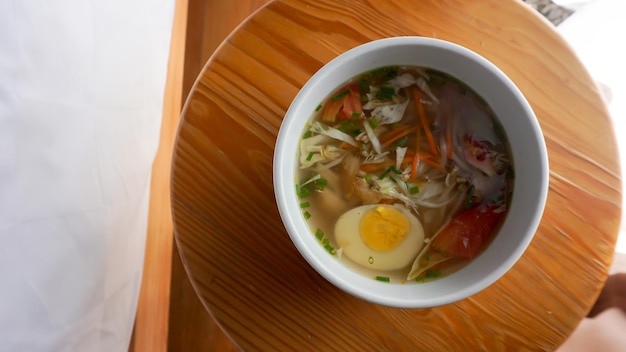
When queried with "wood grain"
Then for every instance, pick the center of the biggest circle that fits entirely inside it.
(209, 22)
(151, 322)
(239, 257)
(191, 327)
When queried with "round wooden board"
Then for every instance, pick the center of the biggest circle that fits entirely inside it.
(239, 257)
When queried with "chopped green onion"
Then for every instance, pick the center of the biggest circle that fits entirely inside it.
(432, 273)
(309, 157)
(302, 191)
(390, 169)
(340, 95)
(384, 173)
(382, 278)
(368, 177)
(378, 71)
(374, 77)
(390, 73)
(372, 123)
(307, 134)
(347, 125)
(382, 74)
(321, 183)
(428, 274)
(414, 190)
(307, 215)
(319, 234)
(387, 72)
(386, 92)
(370, 260)
(356, 133)
(401, 142)
(314, 177)
(363, 83)
(318, 107)
(356, 115)
(304, 205)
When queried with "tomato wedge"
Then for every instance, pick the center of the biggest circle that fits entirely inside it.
(345, 104)
(332, 108)
(465, 235)
(352, 107)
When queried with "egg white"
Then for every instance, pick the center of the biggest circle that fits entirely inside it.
(349, 240)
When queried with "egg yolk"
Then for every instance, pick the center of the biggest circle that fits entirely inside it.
(383, 228)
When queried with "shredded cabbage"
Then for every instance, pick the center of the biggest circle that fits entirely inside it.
(318, 127)
(373, 158)
(315, 150)
(438, 194)
(372, 137)
(389, 114)
(313, 178)
(402, 81)
(400, 153)
(374, 103)
(423, 86)
(391, 187)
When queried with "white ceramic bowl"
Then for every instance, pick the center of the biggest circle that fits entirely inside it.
(517, 118)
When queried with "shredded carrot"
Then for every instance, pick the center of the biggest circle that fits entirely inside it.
(345, 145)
(422, 115)
(416, 157)
(375, 167)
(432, 161)
(408, 159)
(394, 135)
(393, 132)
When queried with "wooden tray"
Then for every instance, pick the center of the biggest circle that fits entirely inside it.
(240, 259)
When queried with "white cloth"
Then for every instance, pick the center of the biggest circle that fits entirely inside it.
(81, 95)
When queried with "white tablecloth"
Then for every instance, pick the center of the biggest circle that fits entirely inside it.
(81, 95)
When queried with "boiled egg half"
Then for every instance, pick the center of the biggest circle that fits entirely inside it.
(379, 236)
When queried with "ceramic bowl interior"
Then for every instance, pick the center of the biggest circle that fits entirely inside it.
(527, 146)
